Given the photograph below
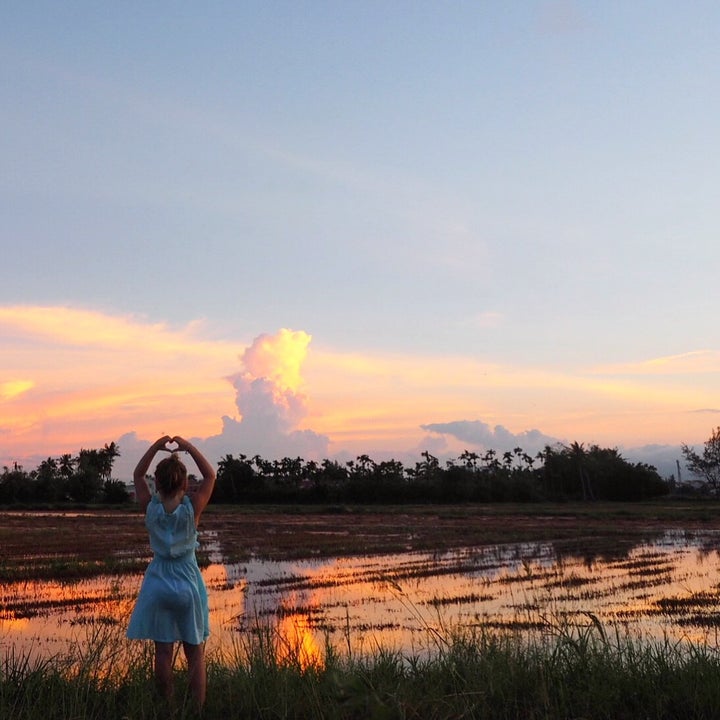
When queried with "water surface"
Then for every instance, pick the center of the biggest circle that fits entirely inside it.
(411, 602)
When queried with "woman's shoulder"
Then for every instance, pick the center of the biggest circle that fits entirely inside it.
(186, 507)
(156, 506)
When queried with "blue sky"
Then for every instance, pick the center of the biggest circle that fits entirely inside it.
(525, 189)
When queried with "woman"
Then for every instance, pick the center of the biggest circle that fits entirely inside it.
(172, 605)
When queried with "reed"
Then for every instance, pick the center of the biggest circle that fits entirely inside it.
(576, 670)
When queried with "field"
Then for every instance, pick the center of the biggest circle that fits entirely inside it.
(85, 542)
(573, 670)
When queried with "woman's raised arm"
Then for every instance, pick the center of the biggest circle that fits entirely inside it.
(142, 490)
(201, 496)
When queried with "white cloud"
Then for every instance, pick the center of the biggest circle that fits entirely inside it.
(499, 438)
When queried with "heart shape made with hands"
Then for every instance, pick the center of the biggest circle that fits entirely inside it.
(171, 446)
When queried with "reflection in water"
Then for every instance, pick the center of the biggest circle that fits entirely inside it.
(297, 641)
(410, 602)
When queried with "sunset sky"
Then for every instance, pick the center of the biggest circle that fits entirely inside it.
(336, 228)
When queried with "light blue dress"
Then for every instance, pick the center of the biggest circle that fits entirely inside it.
(172, 604)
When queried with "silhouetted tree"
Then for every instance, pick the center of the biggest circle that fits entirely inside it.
(15, 485)
(106, 458)
(92, 469)
(50, 485)
(577, 452)
(329, 481)
(115, 492)
(237, 480)
(707, 465)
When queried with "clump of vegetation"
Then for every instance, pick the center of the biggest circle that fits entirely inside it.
(577, 671)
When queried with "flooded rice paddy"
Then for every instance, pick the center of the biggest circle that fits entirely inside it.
(412, 601)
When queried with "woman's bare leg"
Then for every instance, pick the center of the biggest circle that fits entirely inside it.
(197, 676)
(163, 668)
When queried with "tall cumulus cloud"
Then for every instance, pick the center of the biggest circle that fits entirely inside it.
(270, 403)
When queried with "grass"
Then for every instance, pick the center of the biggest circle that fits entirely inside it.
(577, 671)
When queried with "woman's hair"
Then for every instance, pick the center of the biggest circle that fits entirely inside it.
(170, 475)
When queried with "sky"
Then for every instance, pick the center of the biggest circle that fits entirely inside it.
(325, 229)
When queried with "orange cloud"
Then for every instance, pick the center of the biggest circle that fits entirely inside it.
(97, 376)
(65, 327)
(386, 397)
(278, 358)
(698, 361)
(78, 378)
(13, 388)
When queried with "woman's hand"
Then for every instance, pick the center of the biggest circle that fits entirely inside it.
(162, 443)
(182, 443)
(142, 491)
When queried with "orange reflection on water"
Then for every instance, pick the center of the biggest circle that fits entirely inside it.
(408, 603)
(13, 624)
(298, 643)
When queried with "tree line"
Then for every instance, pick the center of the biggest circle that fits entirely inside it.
(558, 473)
(82, 478)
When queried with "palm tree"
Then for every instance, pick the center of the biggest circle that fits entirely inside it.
(106, 457)
(66, 465)
(470, 459)
(578, 454)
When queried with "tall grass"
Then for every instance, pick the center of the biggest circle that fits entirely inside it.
(575, 671)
